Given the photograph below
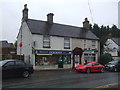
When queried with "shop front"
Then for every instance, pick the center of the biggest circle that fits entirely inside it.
(52, 59)
(90, 55)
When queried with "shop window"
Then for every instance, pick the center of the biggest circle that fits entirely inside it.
(46, 41)
(66, 59)
(89, 57)
(43, 60)
(66, 43)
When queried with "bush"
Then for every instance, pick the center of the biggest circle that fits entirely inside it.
(119, 53)
(105, 58)
(17, 57)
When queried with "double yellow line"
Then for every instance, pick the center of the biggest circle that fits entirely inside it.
(105, 86)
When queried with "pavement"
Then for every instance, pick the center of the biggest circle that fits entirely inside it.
(59, 69)
(41, 68)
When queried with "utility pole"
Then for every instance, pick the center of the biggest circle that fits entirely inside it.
(20, 45)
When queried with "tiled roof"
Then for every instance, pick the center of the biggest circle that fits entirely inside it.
(5, 44)
(116, 40)
(44, 28)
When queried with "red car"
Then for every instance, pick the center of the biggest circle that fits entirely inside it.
(90, 67)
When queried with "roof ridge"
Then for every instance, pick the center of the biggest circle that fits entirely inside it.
(58, 23)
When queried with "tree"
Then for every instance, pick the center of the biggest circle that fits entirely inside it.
(115, 31)
(96, 30)
(103, 32)
(15, 43)
(103, 39)
(105, 58)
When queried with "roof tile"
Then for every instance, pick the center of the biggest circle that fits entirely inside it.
(55, 29)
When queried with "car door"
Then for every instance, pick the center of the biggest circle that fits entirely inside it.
(95, 67)
(19, 67)
(8, 69)
(118, 65)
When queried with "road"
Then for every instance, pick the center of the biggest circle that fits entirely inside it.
(64, 79)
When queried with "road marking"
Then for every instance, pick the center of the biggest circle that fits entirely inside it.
(104, 86)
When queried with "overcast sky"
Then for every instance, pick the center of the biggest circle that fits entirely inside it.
(70, 12)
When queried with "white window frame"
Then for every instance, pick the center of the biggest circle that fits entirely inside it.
(66, 43)
(46, 41)
(93, 44)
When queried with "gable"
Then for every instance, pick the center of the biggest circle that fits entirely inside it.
(116, 40)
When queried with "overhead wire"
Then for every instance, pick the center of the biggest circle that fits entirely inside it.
(90, 11)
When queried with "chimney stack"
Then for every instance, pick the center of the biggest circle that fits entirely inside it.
(25, 13)
(50, 18)
(86, 24)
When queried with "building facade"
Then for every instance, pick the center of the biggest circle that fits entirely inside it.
(119, 14)
(49, 45)
(7, 50)
(112, 46)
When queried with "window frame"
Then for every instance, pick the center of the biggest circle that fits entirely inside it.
(93, 44)
(9, 65)
(19, 63)
(85, 44)
(46, 41)
(66, 41)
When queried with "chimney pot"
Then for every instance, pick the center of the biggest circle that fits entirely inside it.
(86, 24)
(50, 17)
(25, 13)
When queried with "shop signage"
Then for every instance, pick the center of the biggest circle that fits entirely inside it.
(52, 52)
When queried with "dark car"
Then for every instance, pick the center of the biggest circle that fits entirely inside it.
(90, 67)
(113, 66)
(13, 68)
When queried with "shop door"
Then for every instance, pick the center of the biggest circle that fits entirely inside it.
(77, 60)
(60, 61)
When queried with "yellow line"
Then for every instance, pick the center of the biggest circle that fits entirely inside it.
(104, 86)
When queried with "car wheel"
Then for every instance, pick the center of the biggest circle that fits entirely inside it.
(26, 74)
(115, 69)
(88, 70)
(102, 70)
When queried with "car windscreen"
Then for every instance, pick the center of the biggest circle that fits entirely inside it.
(89, 64)
(113, 62)
(2, 63)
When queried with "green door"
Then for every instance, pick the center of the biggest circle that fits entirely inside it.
(60, 61)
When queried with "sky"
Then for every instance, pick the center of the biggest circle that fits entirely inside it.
(69, 12)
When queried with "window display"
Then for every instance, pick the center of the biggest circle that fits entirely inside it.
(52, 59)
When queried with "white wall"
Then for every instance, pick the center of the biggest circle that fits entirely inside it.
(26, 49)
(80, 43)
(111, 47)
(57, 43)
(119, 14)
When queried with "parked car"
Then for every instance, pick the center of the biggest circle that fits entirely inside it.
(113, 66)
(90, 67)
(13, 68)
